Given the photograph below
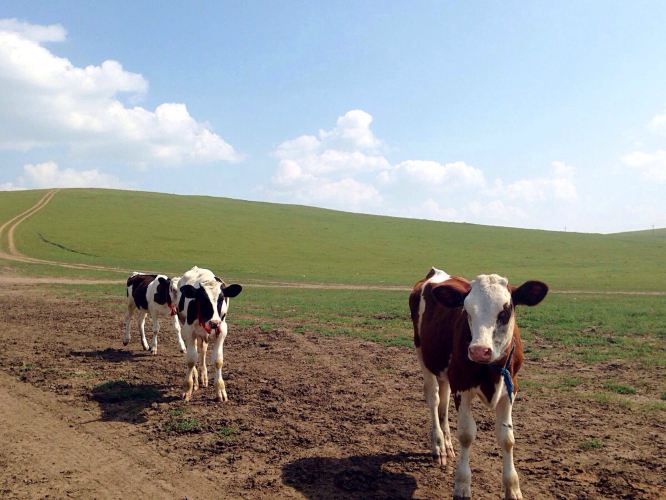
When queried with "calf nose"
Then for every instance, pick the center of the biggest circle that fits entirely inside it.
(215, 324)
(480, 354)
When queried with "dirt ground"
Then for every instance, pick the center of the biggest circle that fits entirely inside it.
(81, 416)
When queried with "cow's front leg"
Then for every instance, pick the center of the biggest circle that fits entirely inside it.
(176, 325)
(191, 358)
(218, 356)
(431, 391)
(156, 330)
(203, 369)
(444, 397)
(142, 330)
(462, 487)
(504, 432)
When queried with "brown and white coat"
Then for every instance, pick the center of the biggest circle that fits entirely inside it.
(464, 334)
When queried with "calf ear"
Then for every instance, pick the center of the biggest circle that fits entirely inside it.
(529, 293)
(451, 293)
(232, 290)
(188, 291)
(163, 280)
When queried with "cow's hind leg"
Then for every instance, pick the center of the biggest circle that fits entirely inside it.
(462, 487)
(142, 329)
(218, 356)
(444, 397)
(504, 432)
(431, 392)
(128, 319)
(156, 331)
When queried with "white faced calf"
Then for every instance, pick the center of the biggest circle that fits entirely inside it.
(468, 343)
(153, 294)
(203, 302)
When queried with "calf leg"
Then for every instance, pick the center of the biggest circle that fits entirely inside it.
(128, 319)
(191, 358)
(218, 356)
(176, 325)
(462, 487)
(156, 330)
(203, 369)
(444, 396)
(504, 432)
(142, 329)
(431, 391)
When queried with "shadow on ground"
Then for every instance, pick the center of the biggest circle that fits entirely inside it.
(109, 354)
(320, 478)
(126, 402)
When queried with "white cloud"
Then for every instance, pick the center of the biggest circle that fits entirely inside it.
(658, 124)
(321, 169)
(34, 32)
(432, 174)
(50, 175)
(47, 101)
(559, 186)
(431, 209)
(650, 166)
(352, 130)
(345, 168)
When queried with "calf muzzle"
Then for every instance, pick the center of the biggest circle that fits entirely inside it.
(480, 354)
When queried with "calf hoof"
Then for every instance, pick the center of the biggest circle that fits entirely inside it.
(153, 352)
(125, 342)
(222, 398)
(449, 448)
(439, 459)
(187, 396)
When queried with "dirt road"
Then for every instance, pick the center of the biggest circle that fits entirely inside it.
(308, 416)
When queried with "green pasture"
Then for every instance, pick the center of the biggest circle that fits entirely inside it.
(259, 242)
(585, 330)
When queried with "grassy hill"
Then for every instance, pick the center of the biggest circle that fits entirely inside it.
(263, 241)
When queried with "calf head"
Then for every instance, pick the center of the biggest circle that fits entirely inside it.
(489, 303)
(173, 295)
(200, 309)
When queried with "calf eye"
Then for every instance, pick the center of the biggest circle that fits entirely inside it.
(504, 315)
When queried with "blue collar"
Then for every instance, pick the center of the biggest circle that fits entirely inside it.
(506, 374)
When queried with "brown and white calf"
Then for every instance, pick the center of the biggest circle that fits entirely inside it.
(203, 302)
(153, 294)
(468, 343)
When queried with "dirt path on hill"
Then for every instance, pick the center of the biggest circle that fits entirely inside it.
(309, 417)
(14, 255)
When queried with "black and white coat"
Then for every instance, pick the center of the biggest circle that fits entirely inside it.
(153, 294)
(203, 303)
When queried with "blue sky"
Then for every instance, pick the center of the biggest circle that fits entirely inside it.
(531, 114)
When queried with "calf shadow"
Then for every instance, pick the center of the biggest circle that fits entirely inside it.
(123, 401)
(109, 354)
(357, 477)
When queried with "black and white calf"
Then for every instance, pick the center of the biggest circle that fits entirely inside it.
(153, 294)
(203, 302)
